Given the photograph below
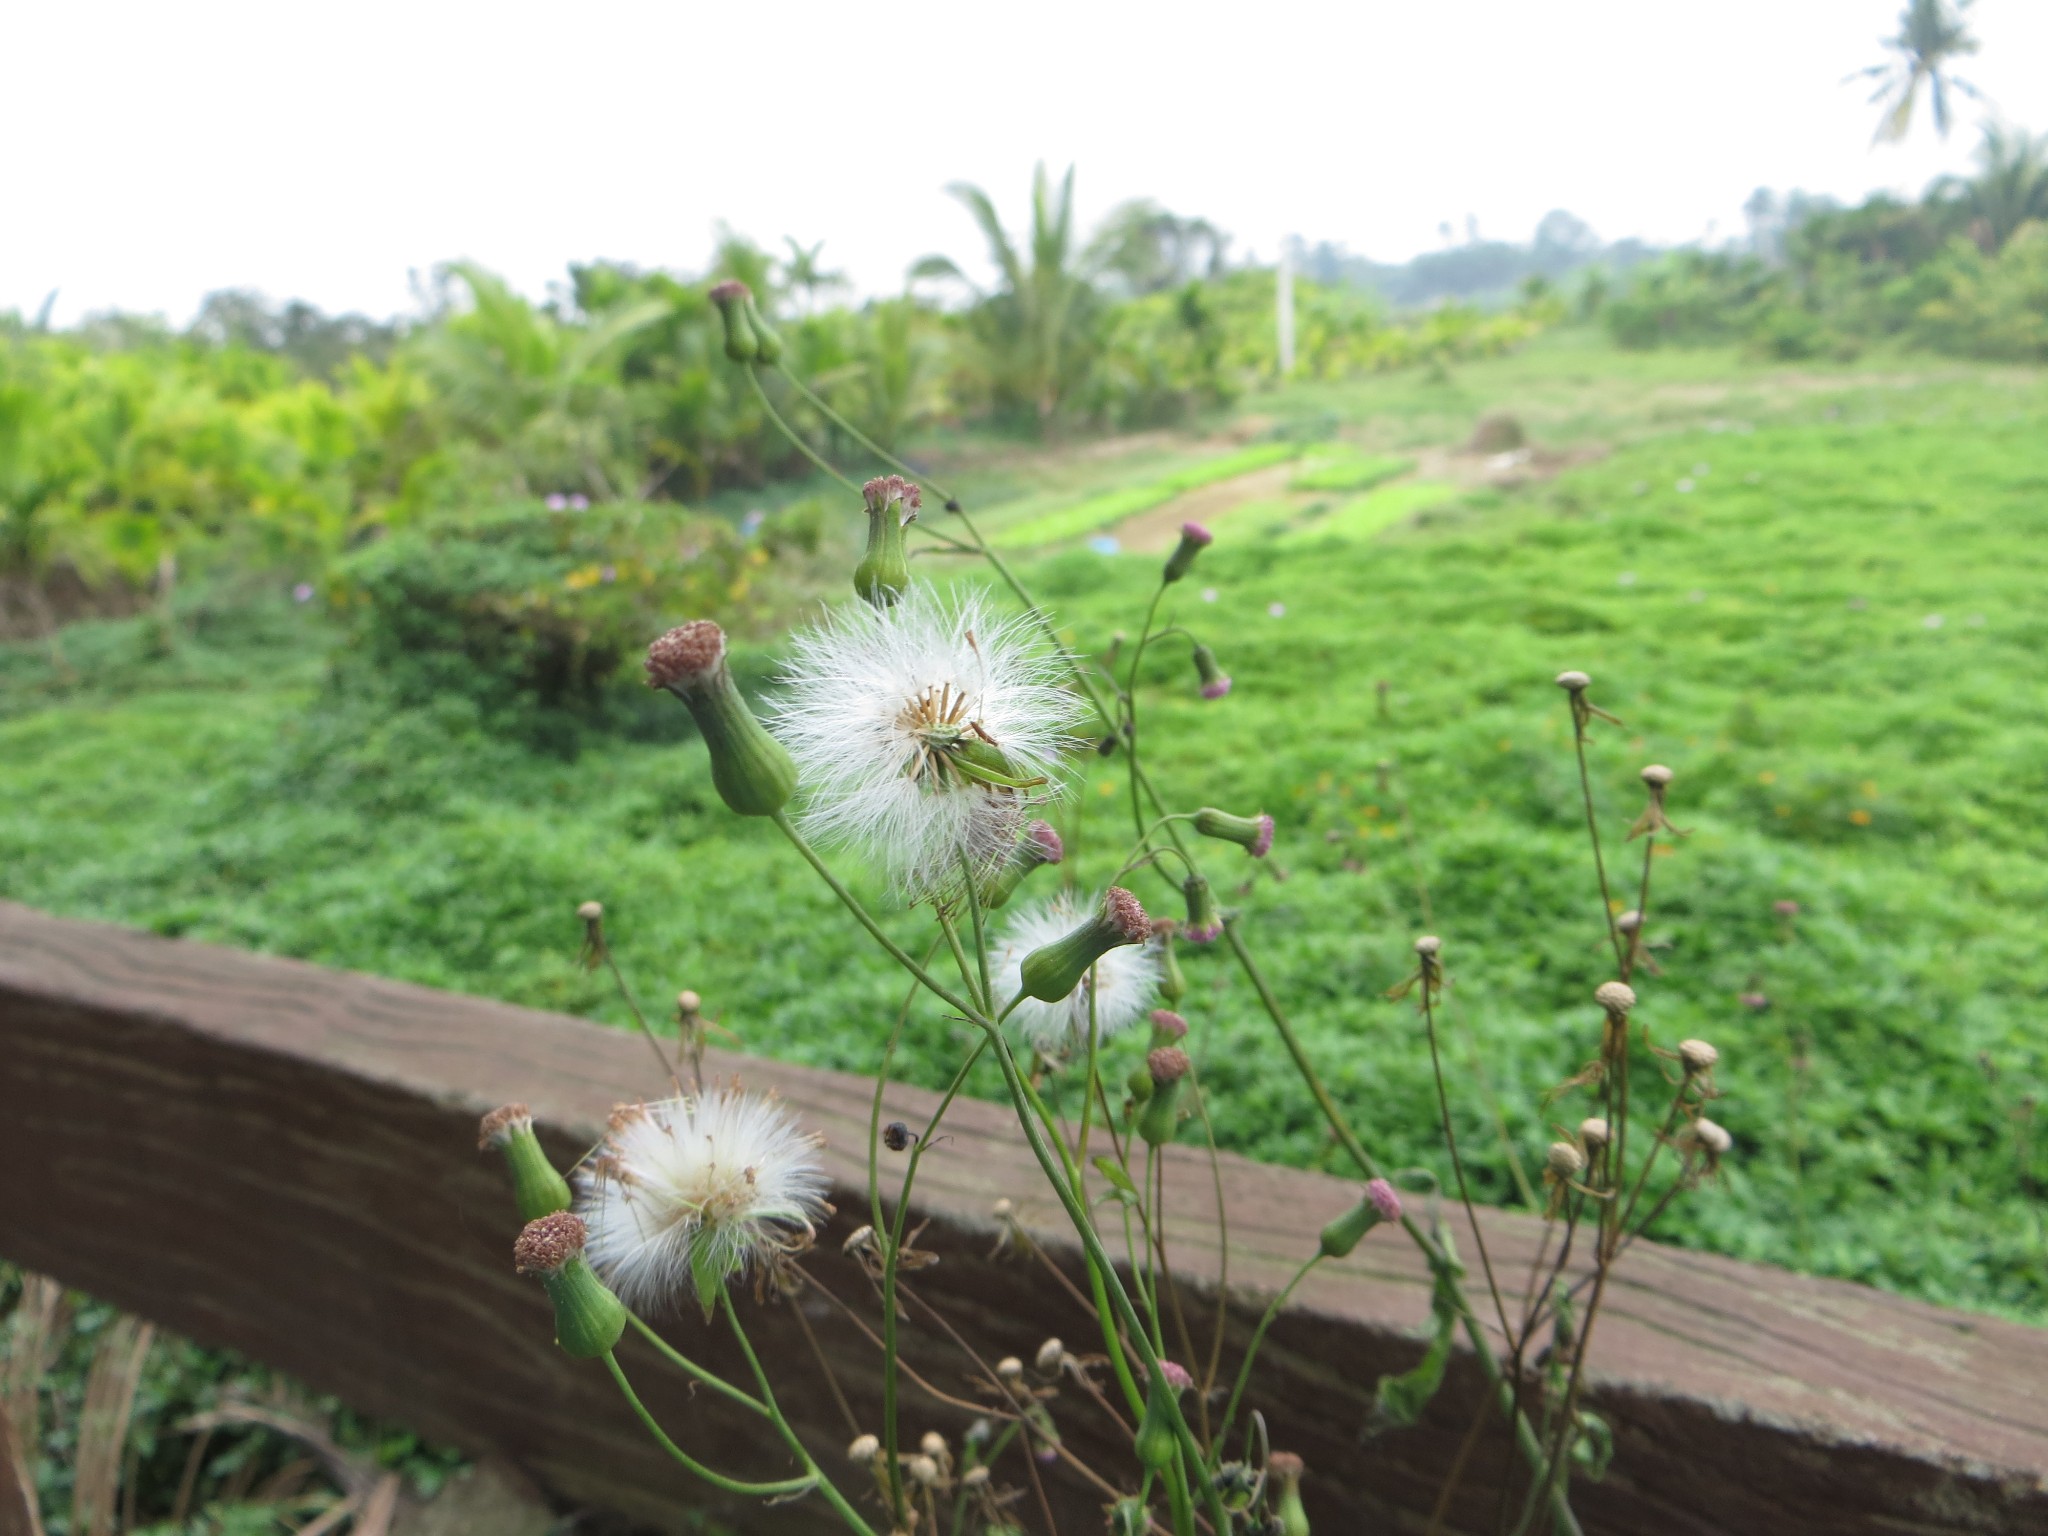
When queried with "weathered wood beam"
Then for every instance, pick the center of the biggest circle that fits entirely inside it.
(278, 1158)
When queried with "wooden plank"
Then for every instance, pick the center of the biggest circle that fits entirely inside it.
(279, 1158)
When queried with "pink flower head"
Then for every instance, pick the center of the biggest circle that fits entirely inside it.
(1385, 1199)
(1197, 535)
(885, 491)
(731, 291)
(1785, 908)
(1046, 842)
(686, 655)
(1127, 915)
(1175, 1376)
(1263, 844)
(557, 502)
(1216, 689)
(1168, 1025)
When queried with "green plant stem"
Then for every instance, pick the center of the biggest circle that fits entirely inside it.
(717, 1480)
(783, 1427)
(697, 1372)
(852, 904)
(1251, 1353)
(789, 432)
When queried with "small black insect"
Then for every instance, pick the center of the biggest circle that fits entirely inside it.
(952, 504)
(896, 1136)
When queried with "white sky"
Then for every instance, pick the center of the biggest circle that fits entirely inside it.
(155, 152)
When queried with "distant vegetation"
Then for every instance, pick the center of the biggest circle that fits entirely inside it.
(274, 438)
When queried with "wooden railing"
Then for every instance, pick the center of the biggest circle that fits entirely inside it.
(266, 1155)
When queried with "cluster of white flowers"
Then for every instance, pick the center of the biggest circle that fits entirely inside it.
(1120, 987)
(923, 734)
(727, 1178)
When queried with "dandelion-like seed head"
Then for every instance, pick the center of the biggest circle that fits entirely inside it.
(727, 1180)
(1122, 982)
(923, 734)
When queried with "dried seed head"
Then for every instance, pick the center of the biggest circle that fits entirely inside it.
(1564, 1160)
(896, 1136)
(1429, 945)
(546, 1245)
(1657, 776)
(1045, 843)
(590, 911)
(688, 1002)
(1050, 1354)
(1002, 1210)
(1574, 682)
(924, 1471)
(1698, 1056)
(1593, 1131)
(1617, 997)
(501, 1125)
(1712, 1137)
(974, 1477)
(1009, 1368)
(1286, 1466)
(933, 1445)
(1126, 914)
(864, 1450)
(1168, 1064)
(686, 655)
(1630, 921)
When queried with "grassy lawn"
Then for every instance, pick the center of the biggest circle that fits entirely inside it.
(1815, 593)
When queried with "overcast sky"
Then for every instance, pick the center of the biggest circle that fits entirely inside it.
(155, 152)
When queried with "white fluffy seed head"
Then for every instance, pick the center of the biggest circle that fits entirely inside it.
(886, 713)
(728, 1174)
(1123, 982)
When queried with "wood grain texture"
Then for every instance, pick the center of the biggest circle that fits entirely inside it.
(279, 1158)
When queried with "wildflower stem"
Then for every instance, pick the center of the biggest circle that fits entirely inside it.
(856, 434)
(653, 1041)
(718, 1480)
(1099, 1265)
(817, 1478)
(691, 1368)
(1593, 834)
(789, 432)
(1443, 1100)
(988, 991)
(1251, 1353)
(852, 903)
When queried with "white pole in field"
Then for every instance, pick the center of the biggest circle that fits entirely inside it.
(1285, 305)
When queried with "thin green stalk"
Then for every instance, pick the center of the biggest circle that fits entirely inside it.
(1251, 1353)
(818, 1479)
(719, 1480)
(789, 432)
(691, 1368)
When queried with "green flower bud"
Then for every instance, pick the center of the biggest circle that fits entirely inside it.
(1173, 986)
(537, 1188)
(1167, 1067)
(1254, 834)
(1128, 1517)
(1381, 1203)
(752, 772)
(588, 1318)
(733, 301)
(1139, 1084)
(767, 343)
(1051, 972)
(1205, 918)
(1194, 538)
(1215, 681)
(1285, 1469)
(1039, 846)
(1156, 1441)
(883, 574)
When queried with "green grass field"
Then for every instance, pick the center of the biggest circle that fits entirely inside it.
(1816, 594)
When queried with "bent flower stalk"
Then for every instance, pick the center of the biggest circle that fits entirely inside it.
(1123, 979)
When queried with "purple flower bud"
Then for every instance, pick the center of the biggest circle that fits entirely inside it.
(1385, 1199)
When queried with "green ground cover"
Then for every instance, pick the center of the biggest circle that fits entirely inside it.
(1077, 519)
(1817, 596)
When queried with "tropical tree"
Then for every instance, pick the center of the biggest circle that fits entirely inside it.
(1143, 248)
(804, 273)
(1932, 35)
(1032, 330)
(2010, 187)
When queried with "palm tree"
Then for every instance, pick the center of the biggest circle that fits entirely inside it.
(803, 271)
(1028, 325)
(2010, 187)
(1932, 36)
